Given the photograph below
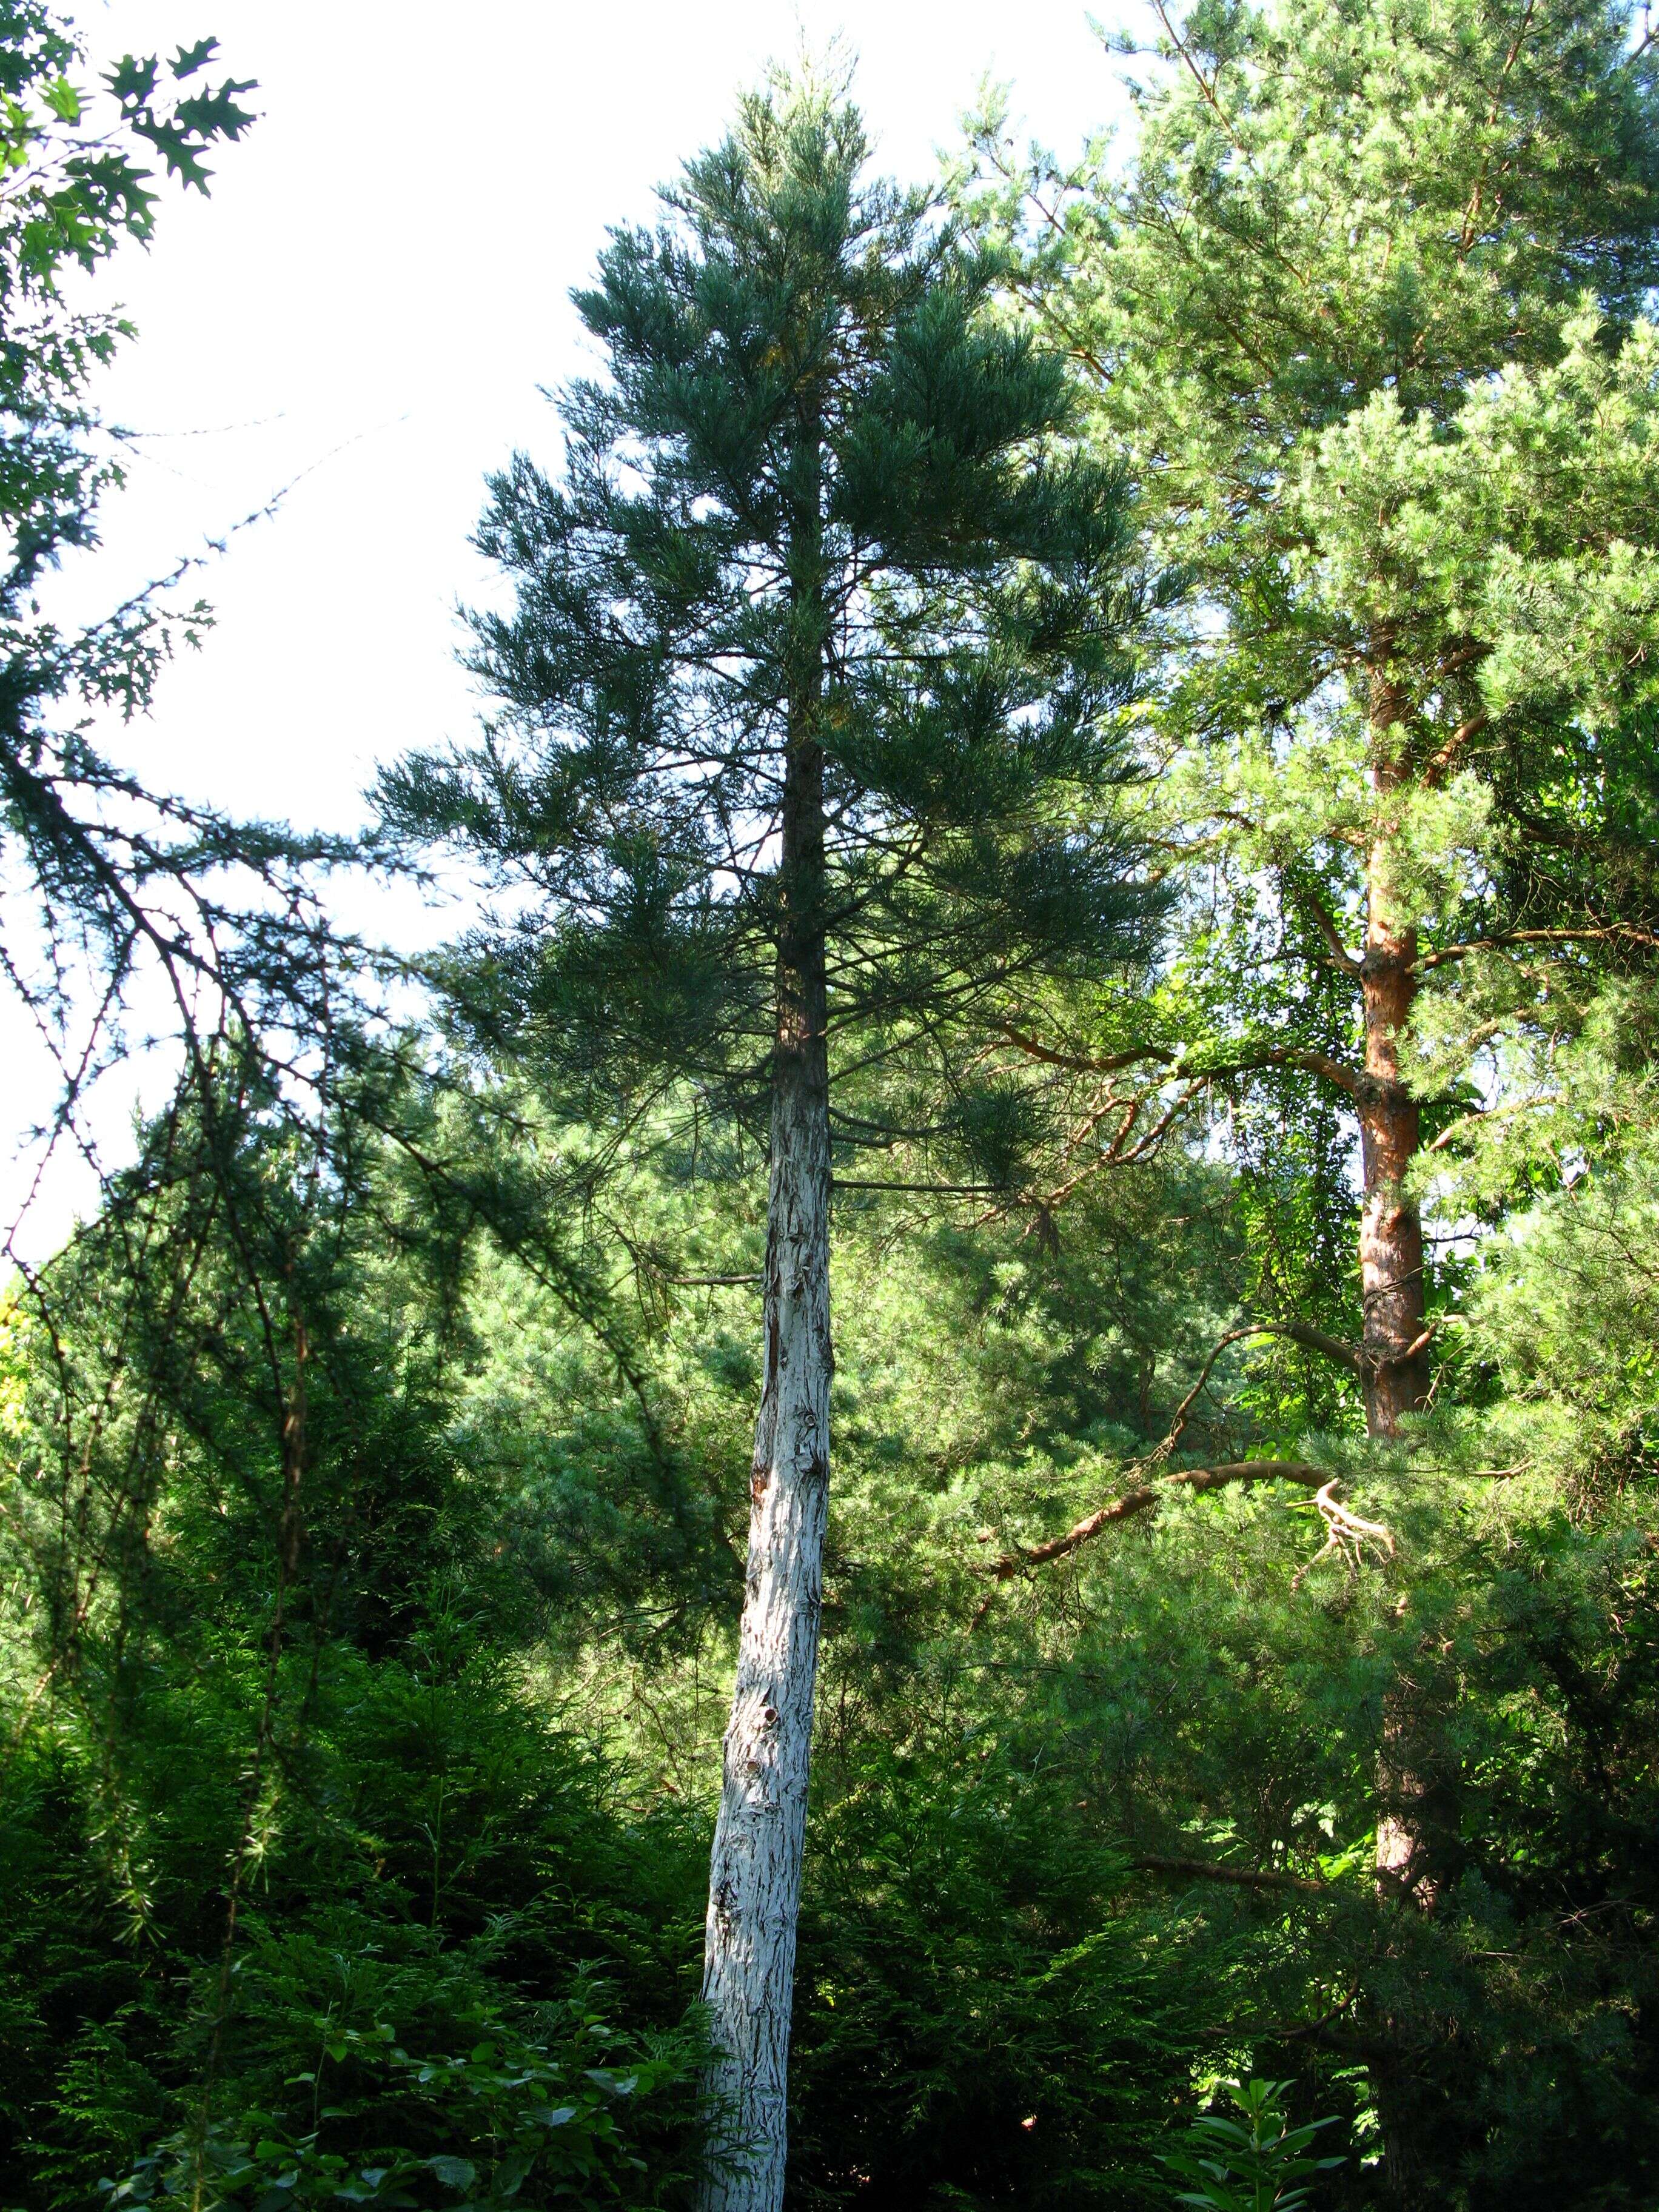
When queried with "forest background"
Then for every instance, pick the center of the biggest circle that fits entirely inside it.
(1238, 1611)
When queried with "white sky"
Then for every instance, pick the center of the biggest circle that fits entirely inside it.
(369, 300)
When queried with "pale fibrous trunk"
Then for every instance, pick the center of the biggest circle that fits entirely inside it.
(754, 1888)
(755, 1872)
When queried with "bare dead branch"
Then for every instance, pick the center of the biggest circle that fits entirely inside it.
(1346, 1534)
(1239, 1877)
(1152, 1494)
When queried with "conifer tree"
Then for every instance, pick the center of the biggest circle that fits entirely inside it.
(1404, 736)
(806, 738)
(1364, 313)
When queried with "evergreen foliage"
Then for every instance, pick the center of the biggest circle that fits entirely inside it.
(1363, 317)
(1217, 1788)
(820, 480)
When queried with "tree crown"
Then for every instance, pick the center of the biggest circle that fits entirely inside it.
(818, 499)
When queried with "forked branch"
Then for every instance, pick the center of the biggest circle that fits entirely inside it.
(1346, 1534)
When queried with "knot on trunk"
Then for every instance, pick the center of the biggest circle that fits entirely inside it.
(1378, 1094)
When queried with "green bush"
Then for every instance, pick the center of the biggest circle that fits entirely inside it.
(518, 2118)
(979, 2020)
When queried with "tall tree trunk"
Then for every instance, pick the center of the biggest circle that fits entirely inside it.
(1394, 1368)
(1392, 1336)
(754, 1874)
(1419, 1822)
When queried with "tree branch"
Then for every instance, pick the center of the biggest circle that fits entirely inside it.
(1082, 1063)
(1154, 1493)
(1240, 1877)
(926, 1190)
(1299, 1332)
(1197, 76)
(1612, 933)
(1313, 1063)
(1476, 1119)
(1324, 921)
(1447, 756)
(1315, 1340)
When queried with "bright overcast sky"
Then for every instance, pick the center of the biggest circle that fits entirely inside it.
(377, 286)
(365, 306)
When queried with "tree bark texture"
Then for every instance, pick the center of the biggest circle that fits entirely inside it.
(1406, 2174)
(1416, 1832)
(1394, 1367)
(754, 1874)
(1394, 1346)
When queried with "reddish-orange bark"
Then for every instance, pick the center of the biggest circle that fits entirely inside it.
(1393, 1340)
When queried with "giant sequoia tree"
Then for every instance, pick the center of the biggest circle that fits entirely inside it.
(1356, 314)
(805, 745)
